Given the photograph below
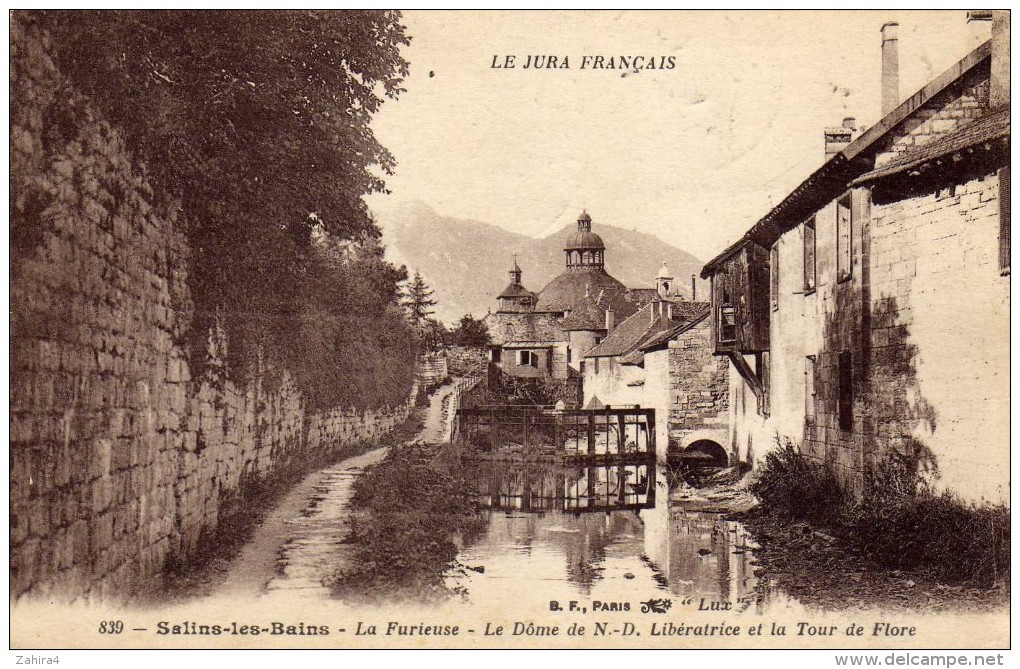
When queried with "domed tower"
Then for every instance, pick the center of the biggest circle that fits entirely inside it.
(585, 276)
(585, 248)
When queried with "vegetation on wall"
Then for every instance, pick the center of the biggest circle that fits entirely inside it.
(901, 523)
(258, 124)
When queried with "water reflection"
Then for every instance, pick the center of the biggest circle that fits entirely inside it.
(540, 487)
(605, 532)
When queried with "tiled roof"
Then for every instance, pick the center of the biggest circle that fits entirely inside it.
(634, 332)
(569, 289)
(516, 290)
(988, 128)
(662, 339)
(588, 315)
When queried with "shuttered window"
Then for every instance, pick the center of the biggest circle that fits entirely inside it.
(809, 256)
(809, 388)
(1004, 220)
(846, 392)
(844, 238)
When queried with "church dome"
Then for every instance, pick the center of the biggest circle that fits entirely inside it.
(571, 289)
(584, 240)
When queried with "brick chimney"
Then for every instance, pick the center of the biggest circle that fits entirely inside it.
(610, 320)
(890, 67)
(999, 94)
(836, 139)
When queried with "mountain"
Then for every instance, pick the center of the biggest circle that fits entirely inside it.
(466, 262)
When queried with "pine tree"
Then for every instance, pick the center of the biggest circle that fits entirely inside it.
(418, 301)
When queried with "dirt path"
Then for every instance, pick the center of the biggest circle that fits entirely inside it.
(299, 545)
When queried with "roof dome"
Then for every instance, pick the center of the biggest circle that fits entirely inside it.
(571, 289)
(664, 272)
(584, 240)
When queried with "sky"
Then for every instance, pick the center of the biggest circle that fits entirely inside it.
(694, 155)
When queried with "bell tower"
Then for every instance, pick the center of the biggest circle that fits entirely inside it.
(664, 282)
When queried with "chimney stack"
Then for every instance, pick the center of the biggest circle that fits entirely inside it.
(999, 94)
(979, 23)
(694, 288)
(609, 320)
(836, 139)
(890, 67)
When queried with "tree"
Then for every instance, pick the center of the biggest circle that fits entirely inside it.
(418, 301)
(470, 332)
(248, 122)
(434, 334)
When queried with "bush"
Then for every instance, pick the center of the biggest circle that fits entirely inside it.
(795, 487)
(908, 527)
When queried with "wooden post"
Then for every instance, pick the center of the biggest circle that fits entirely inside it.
(621, 439)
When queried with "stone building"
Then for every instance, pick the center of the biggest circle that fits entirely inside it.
(865, 316)
(543, 335)
(661, 358)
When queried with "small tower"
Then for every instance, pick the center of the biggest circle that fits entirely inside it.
(585, 249)
(515, 273)
(515, 298)
(664, 282)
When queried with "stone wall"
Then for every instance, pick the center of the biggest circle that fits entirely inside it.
(698, 389)
(939, 336)
(467, 361)
(120, 459)
(432, 370)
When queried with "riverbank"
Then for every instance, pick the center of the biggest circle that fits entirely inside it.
(822, 572)
(819, 569)
(244, 555)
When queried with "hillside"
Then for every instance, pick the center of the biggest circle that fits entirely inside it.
(466, 261)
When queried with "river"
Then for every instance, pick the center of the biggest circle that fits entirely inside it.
(595, 533)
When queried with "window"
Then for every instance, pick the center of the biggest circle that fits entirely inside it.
(809, 389)
(1004, 220)
(809, 256)
(568, 354)
(774, 276)
(727, 323)
(497, 354)
(845, 401)
(844, 238)
(598, 340)
(527, 358)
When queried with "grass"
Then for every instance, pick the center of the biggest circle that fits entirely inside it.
(414, 510)
(909, 528)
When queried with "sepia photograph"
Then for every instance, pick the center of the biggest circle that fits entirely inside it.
(574, 329)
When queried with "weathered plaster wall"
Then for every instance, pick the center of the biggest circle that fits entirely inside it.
(613, 383)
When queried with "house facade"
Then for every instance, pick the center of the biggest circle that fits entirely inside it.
(864, 318)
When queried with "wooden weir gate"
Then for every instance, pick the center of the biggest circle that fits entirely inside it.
(576, 460)
(596, 435)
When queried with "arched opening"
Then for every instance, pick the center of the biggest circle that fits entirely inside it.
(705, 453)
